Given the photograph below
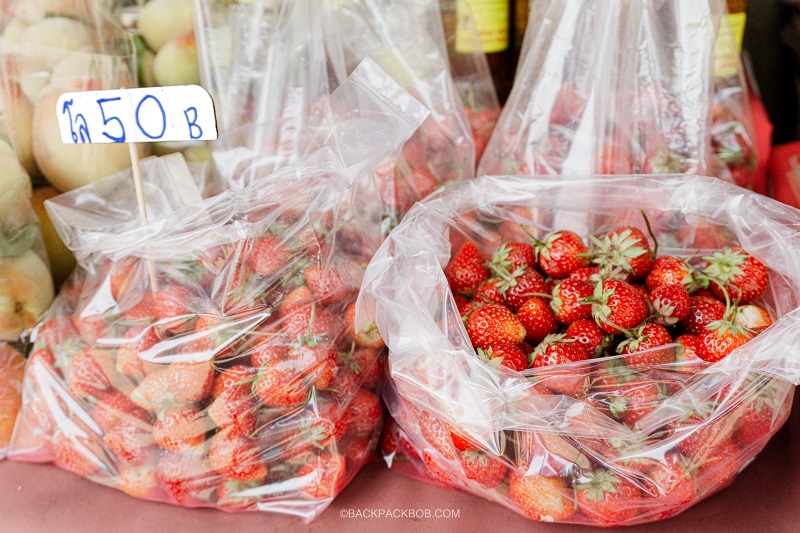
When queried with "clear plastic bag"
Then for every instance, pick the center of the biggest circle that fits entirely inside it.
(208, 358)
(271, 65)
(546, 442)
(619, 87)
(49, 48)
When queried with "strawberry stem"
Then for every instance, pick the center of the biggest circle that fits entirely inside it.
(652, 235)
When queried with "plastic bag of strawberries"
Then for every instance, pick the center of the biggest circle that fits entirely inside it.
(621, 87)
(208, 357)
(587, 376)
(306, 49)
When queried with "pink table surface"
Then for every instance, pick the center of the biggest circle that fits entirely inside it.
(43, 499)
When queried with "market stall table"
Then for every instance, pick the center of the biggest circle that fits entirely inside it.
(38, 498)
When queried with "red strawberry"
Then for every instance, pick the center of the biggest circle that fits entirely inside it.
(312, 321)
(269, 349)
(587, 274)
(481, 468)
(139, 482)
(541, 498)
(91, 328)
(494, 324)
(634, 401)
(143, 311)
(702, 311)
(608, 497)
(122, 276)
(298, 298)
(507, 355)
(180, 428)
(365, 412)
(235, 375)
(526, 285)
(462, 444)
(489, 292)
(718, 469)
(466, 270)
(589, 335)
(753, 318)
(672, 481)
(701, 438)
(236, 456)
(173, 302)
(720, 338)
(90, 373)
(672, 303)
(132, 442)
(138, 339)
(686, 355)
(512, 256)
(437, 472)
(368, 336)
(187, 479)
(538, 319)
(268, 256)
(324, 477)
(235, 408)
(112, 406)
(325, 284)
(617, 306)
(435, 432)
(79, 454)
(556, 350)
(189, 382)
(743, 276)
(626, 248)
(669, 270)
(566, 302)
(641, 344)
(755, 420)
(561, 253)
(280, 386)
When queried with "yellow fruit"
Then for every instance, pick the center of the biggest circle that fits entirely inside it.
(62, 262)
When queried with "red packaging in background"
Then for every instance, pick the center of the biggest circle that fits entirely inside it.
(784, 169)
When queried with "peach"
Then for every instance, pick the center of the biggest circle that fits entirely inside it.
(176, 63)
(12, 32)
(32, 11)
(50, 40)
(15, 189)
(31, 74)
(62, 262)
(69, 166)
(26, 291)
(111, 71)
(16, 114)
(160, 21)
(146, 75)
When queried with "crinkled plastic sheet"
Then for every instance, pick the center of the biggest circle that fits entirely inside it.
(511, 416)
(208, 357)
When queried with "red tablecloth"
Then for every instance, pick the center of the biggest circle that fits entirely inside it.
(43, 499)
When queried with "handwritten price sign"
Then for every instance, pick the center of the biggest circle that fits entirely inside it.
(158, 114)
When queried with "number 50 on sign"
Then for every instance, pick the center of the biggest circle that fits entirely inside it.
(159, 114)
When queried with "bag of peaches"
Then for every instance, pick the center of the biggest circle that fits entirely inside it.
(208, 357)
(556, 351)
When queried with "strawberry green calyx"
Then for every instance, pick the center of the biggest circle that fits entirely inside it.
(724, 266)
(618, 249)
(723, 327)
(599, 483)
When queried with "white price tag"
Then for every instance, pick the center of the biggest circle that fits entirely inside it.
(156, 114)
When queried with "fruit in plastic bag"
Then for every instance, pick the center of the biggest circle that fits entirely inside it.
(206, 358)
(12, 367)
(620, 414)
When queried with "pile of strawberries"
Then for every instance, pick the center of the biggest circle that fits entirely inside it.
(555, 300)
(229, 376)
(620, 332)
